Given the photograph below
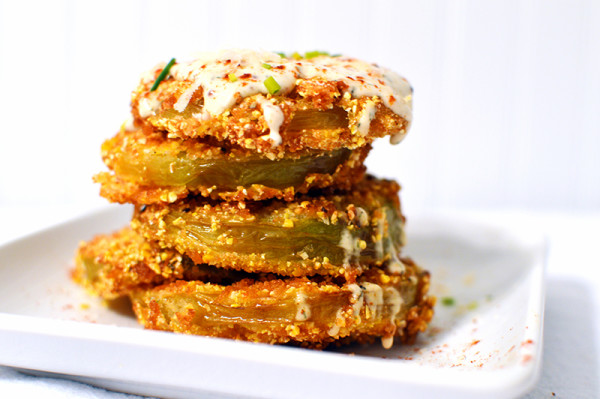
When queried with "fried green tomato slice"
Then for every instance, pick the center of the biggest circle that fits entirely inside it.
(112, 265)
(295, 310)
(272, 104)
(334, 234)
(150, 168)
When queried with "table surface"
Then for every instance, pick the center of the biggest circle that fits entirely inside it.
(571, 355)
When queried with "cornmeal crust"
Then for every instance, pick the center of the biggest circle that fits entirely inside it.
(337, 234)
(169, 292)
(112, 265)
(147, 167)
(323, 103)
(295, 310)
(254, 219)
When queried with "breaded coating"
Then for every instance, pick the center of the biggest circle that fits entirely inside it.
(265, 307)
(270, 104)
(337, 234)
(295, 310)
(150, 168)
(112, 265)
(254, 219)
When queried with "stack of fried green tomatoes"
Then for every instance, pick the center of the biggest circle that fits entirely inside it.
(254, 218)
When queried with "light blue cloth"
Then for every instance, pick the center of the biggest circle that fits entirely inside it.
(15, 385)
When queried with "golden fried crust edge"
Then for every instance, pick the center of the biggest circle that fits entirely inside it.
(121, 190)
(347, 320)
(204, 231)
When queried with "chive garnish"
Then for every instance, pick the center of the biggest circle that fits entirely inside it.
(163, 74)
(312, 54)
(272, 85)
(448, 301)
(266, 66)
(232, 77)
(308, 55)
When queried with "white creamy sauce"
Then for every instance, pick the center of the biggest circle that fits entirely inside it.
(373, 297)
(363, 216)
(397, 138)
(184, 99)
(303, 312)
(387, 341)
(148, 107)
(366, 116)
(202, 116)
(376, 298)
(394, 265)
(385, 247)
(128, 125)
(350, 245)
(394, 301)
(274, 117)
(213, 72)
(335, 329)
(363, 80)
(357, 298)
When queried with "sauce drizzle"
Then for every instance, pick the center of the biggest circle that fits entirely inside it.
(211, 71)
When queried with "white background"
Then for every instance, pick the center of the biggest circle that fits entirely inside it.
(507, 109)
(507, 93)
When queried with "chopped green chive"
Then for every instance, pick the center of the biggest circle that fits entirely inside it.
(448, 301)
(267, 66)
(308, 55)
(272, 85)
(163, 74)
(232, 77)
(312, 54)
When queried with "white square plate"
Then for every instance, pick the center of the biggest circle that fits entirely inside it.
(485, 339)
